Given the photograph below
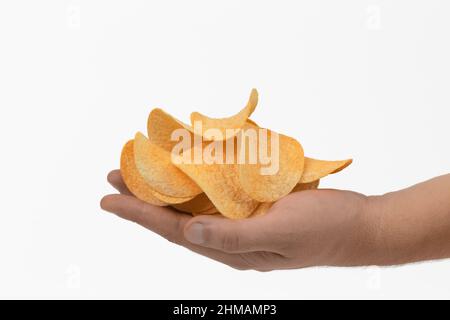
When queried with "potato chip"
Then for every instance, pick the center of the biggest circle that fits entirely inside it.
(133, 180)
(273, 186)
(198, 204)
(235, 122)
(317, 169)
(252, 123)
(210, 211)
(137, 185)
(217, 214)
(170, 200)
(155, 166)
(161, 125)
(221, 184)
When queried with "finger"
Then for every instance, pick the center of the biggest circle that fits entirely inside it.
(161, 220)
(116, 180)
(233, 236)
(165, 222)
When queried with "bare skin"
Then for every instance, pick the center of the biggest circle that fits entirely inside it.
(310, 228)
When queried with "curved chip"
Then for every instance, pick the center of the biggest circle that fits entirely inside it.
(217, 213)
(198, 204)
(156, 167)
(133, 180)
(221, 184)
(211, 211)
(170, 200)
(317, 169)
(272, 187)
(251, 122)
(161, 125)
(137, 185)
(235, 122)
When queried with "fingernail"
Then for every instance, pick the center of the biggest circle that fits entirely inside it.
(194, 233)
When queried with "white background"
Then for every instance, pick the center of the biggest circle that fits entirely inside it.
(362, 79)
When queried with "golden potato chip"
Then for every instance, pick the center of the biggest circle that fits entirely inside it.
(198, 204)
(235, 122)
(161, 125)
(155, 166)
(306, 186)
(274, 185)
(220, 183)
(210, 211)
(137, 185)
(251, 122)
(170, 200)
(194, 214)
(317, 169)
(133, 180)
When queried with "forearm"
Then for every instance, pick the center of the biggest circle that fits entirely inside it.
(412, 224)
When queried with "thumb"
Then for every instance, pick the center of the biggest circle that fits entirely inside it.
(231, 236)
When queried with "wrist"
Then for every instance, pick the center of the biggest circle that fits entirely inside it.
(363, 242)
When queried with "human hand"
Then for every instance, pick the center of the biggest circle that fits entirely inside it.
(308, 228)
